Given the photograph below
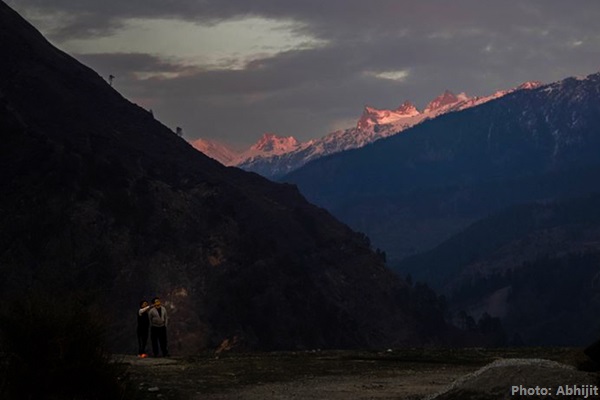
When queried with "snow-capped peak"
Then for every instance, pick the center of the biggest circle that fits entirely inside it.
(373, 116)
(216, 150)
(407, 108)
(529, 85)
(271, 143)
(443, 100)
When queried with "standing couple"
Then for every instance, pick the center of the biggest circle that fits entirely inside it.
(155, 317)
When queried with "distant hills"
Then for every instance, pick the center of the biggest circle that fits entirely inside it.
(98, 197)
(494, 206)
(274, 156)
(535, 266)
(409, 192)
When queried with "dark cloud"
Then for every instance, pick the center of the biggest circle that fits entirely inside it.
(465, 45)
(128, 64)
(335, 19)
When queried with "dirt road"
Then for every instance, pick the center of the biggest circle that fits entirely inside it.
(400, 374)
(405, 385)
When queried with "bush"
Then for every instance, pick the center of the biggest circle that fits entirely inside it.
(54, 349)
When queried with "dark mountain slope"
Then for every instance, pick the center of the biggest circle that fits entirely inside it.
(98, 196)
(413, 190)
(535, 266)
(514, 233)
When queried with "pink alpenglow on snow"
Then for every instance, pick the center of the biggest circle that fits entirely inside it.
(274, 144)
(216, 150)
(284, 154)
(372, 116)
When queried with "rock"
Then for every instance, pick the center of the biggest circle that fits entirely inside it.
(527, 378)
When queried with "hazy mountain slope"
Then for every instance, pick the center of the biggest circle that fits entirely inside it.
(507, 239)
(409, 192)
(99, 196)
(215, 150)
(535, 266)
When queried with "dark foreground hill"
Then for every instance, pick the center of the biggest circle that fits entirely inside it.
(99, 197)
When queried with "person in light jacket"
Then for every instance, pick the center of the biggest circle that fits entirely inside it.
(158, 328)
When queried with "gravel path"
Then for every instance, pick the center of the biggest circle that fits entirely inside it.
(167, 378)
(410, 385)
(411, 375)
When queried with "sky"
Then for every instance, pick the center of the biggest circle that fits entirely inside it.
(232, 70)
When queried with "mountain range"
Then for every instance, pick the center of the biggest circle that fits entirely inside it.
(274, 156)
(100, 198)
(409, 192)
(494, 206)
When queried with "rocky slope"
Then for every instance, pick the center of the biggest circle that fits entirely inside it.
(98, 197)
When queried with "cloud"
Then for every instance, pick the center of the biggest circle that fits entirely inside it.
(303, 67)
(399, 75)
(333, 19)
(229, 44)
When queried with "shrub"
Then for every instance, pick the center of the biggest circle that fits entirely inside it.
(53, 348)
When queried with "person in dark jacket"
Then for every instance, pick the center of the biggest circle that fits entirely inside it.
(143, 325)
(158, 328)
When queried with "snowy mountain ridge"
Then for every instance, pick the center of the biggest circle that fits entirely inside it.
(216, 150)
(274, 156)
